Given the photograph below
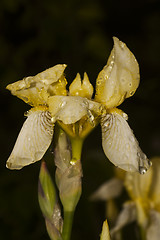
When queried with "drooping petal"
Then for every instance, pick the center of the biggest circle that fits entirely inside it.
(33, 140)
(108, 190)
(70, 109)
(126, 216)
(153, 231)
(120, 144)
(119, 79)
(35, 90)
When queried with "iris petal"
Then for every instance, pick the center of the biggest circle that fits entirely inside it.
(120, 144)
(33, 140)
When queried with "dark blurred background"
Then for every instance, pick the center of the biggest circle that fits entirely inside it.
(35, 35)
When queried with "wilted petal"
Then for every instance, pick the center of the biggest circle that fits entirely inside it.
(35, 90)
(33, 140)
(137, 185)
(153, 231)
(126, 216)
(81, 88)
(120, 144)
(105, 232)
(119, 79)
(70, 109)
(108, 190)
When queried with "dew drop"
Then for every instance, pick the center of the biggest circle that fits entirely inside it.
(53, 119)
(131, 93)
(142, 170)
(122, 45)
(149, 163)
(73, 161)
(26, 113)
(63, 104)
(132, 139)
(125, 116)
(106, 124)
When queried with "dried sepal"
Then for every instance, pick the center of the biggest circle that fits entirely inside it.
(33, 140)
(35, 90)
(120, 144)
(119, 79)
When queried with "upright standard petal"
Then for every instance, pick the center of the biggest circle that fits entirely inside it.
(120, 144)
(35, 90)
(81, 88)
(33, 140)
(119, 79)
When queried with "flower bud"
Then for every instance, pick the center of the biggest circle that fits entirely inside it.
(105, 232)
(68, 174)
(46, 192)
(48, 204)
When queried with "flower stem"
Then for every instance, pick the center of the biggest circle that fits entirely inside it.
(67, 225)
(76, 144)
(142, 233)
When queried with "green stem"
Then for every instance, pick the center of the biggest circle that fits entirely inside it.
(142, 233)
(76, 144)
(67, 225)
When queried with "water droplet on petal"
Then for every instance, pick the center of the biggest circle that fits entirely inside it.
(53, 119)
(131, 93)
(62, 104)
(125, 116)
(142, 170)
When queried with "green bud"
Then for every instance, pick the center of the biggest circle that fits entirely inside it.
(53, 232)
(70, 186)
(105, 235)
(46, 192)
(68, 174)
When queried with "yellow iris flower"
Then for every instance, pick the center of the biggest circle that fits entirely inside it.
(77, 113)
(144, 204)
